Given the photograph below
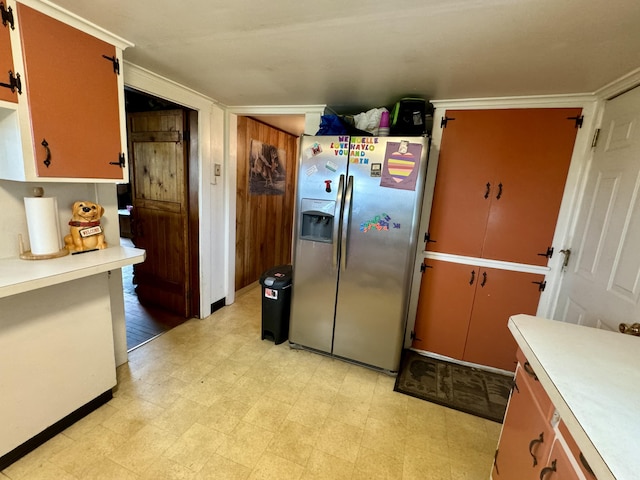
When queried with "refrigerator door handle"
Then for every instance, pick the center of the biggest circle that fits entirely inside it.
(336, 223)
(346, 220)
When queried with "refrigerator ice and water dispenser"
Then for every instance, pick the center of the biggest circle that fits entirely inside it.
(316, 222)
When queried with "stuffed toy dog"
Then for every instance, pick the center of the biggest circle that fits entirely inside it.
(85, 230)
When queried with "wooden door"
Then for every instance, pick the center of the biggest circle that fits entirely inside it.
(526, 436)
(534, 158)
(499, 294)
(601, 286)
(444, 307)
(6, 64)
(158, 150)
(73, 99)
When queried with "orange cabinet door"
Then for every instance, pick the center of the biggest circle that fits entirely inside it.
(559, 466)
(500, 181)
(73, 99)
(535, 158)
(526, 436)
(444, 307)
(462, 194)
(6, 64)
(500, 294)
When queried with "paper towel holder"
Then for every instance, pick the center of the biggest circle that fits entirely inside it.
(28, 254)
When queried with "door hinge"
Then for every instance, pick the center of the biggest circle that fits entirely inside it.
(444, 121)
(7, 16)
(578, 119)
(120, 161)
(541, 285)
(548, 253)
(116, 63)
(14, 83)
(596, 134)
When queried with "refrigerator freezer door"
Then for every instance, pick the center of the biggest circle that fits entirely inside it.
(321, 176)
(381, 226)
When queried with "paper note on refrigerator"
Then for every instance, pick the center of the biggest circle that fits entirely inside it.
(401, 165)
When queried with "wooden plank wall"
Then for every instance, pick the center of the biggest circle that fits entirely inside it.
(264, 223)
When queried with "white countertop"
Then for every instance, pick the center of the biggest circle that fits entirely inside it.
(19, 276)
(593, 378)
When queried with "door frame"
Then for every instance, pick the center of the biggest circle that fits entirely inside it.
(203, 155)
(312, 115)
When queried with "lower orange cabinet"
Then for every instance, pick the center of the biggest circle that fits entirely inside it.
(534, 444)
(527, 434)
(463, 311)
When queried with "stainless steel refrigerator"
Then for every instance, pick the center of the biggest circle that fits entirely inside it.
(357, 213)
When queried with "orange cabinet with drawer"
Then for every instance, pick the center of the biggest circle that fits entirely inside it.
(527, 435)
(534, 442)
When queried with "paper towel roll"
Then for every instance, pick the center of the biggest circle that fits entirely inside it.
(43, 224)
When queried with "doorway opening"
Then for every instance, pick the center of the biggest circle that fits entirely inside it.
(266, 172)
(158, 212)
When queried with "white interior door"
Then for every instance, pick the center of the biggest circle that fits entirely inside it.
(601, 286)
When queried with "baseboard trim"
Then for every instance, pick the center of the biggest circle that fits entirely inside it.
(50, 432)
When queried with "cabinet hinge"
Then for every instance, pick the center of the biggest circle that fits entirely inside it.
(7, 16)
(548, 253)
(596, 134)
(444, 121)
(541, 285)
(578, 119)
(120, 161)
(427, 238)
(14, 83)
(116, 63)
(424, 266)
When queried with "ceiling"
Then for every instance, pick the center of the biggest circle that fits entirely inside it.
(361, 54)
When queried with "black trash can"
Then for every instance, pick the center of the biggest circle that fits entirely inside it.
(276, 303)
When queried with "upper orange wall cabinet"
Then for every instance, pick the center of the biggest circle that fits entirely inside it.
(8, 91)
(68, 121)
(500, 181)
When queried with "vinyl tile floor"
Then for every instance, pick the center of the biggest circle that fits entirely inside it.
(210, 400)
